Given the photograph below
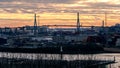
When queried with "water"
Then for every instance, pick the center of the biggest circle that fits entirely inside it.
(117, 59)
(32, 56)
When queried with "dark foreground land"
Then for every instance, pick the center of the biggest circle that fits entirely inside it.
(112, 50)
(64, 49)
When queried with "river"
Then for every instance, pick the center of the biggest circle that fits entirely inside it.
(102, 56)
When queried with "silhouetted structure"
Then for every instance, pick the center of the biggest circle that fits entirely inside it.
(78, 23)
(35, 25)
(103, 26)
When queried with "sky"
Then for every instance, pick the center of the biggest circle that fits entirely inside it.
(15, 13)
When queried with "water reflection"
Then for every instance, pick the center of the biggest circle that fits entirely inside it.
(65, 57)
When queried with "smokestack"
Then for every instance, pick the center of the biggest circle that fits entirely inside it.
(35, 25)
(78, 23)
(103, 25)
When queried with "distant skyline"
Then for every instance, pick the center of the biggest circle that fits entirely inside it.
(14, 13)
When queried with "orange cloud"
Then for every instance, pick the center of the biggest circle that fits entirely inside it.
(19, 13)
(15, 20)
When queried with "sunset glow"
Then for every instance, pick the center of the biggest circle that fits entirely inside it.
(14, 13)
